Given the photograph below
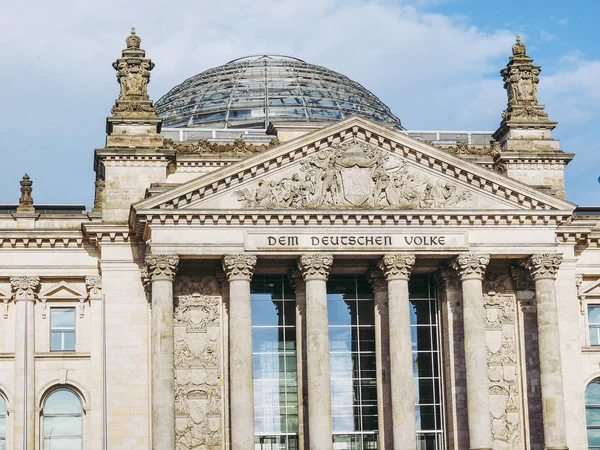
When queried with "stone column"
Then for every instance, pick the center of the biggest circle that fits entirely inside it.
(300, 290)
(315, 271)
(397, 269)
(24, 291)
(224, 289)
(543, 270)
(382, 357)
(161, 271)
(239, 270)
(471, 269)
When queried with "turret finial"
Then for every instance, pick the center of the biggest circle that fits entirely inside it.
(26, 201)
(519, 48)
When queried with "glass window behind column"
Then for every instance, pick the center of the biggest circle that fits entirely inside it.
(62, 329)
(274, 361)
(594, 324)
(592, 414)
(426, 363)
(352, 356)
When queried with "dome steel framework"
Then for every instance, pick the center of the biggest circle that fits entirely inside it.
(252, 91)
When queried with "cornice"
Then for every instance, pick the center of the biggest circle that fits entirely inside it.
(99, 234)
(406, 218)
(417, 152)
(42, 239)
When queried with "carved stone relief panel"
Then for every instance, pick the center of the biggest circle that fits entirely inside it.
(354, 174)
(198, 366)
(501, 336)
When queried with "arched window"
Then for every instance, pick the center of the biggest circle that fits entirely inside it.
(2, 423)
(592, 413)
(63, 421)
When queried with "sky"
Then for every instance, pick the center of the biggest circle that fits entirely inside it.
(435, 63)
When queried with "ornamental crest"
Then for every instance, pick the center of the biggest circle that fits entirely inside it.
(353, 174)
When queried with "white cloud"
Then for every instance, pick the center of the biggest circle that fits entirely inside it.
(434, 71)
(546, 36)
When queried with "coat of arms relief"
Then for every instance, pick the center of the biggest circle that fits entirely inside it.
(354, 174)
(198, 389)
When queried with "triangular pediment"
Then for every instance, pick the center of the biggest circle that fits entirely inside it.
(63, 291)
(353, 165)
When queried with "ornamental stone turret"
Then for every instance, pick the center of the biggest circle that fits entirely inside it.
(26, 201)
(528, 151)
(133, 120)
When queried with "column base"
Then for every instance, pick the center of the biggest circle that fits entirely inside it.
(556, 448)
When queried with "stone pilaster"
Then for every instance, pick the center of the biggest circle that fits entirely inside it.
(382, 356)
(94, 290)
(162, 270)
(396, 269)
(224, 289)
(315, 271)
(25, 291)
(471, 269)
(300, 290)
(543, 269)
(239, 270)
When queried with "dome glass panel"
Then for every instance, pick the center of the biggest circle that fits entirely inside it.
(250, 92)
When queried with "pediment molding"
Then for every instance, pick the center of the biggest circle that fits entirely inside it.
(414, 152)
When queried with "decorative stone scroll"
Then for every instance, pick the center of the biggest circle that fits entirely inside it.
(93, 286)
(354, 174)
(162, 267)
(25, 287)
(197, 358)
(397, 266)
(315, 266)
(501, 337)
(239, 267)
(471, 265)
(238, 146)
(543, 266)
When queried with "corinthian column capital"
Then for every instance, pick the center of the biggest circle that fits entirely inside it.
(25, 288)
(471, 266)
(162, 267)
(295, 277)
(397, 266)
(239, 267)
(376, 279)
(315, 266)
(543, 266)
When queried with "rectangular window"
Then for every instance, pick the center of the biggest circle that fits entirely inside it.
(62, 329)
(594, 324)
(426, 363)
(274, 363)
(352, 361)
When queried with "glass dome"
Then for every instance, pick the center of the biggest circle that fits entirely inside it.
(252, 91)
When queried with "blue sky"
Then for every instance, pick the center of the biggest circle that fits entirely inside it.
(434, 62)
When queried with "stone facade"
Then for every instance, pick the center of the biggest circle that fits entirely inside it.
(159, 277)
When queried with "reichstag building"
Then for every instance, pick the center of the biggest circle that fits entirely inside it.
(274, 262)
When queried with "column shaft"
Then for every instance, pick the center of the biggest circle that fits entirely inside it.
(471, 269)
(301, 379)
(397, 269)
(382, 358)
(240, 366)
(315, 270)
(239, 270)
(543, 270)
(162, 269)
(24, 289)
(163, 370)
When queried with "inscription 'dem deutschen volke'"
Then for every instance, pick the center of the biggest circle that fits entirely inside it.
(354, 241)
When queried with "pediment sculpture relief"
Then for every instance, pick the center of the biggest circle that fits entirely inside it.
(354, 174)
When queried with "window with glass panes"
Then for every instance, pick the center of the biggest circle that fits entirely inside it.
(424, 322)
(2, 423)
(63, 421)
(62, 329)
(352, 361)
(274, 362)
(592, 414)
(594, 324)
